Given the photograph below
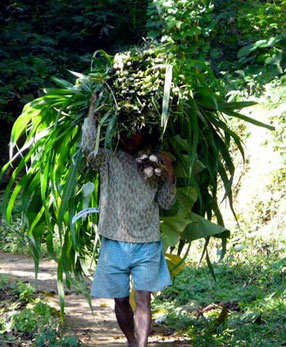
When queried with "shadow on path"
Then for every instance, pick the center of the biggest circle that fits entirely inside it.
(93, 329)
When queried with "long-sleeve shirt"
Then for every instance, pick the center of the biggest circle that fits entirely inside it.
(129, 203)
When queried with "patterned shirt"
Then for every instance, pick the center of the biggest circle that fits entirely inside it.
(129, 203)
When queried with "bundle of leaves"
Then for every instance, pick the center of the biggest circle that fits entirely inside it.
(143, 88)
(136, 90)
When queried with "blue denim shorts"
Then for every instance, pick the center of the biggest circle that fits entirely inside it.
(118, 260)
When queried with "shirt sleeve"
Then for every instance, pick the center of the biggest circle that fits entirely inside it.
(88, 144)
(166, 195)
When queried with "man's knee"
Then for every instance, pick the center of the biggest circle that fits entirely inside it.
(143, 298)
(122, 301)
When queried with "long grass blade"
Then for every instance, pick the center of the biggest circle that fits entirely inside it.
(166, 97)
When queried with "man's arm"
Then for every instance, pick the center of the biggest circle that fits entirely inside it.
(88, 145)
(166, 194)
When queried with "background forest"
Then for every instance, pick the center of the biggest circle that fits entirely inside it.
(243, 45)
(243, 41)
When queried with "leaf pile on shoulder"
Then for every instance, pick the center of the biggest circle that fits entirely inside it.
(131, 87)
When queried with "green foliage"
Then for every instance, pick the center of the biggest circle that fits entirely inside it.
(24, 321)
(50, 338)
(41, 39)
(26, 317)
(245, 306)
(12, 238)
(266, 207)
(25, 292)
(20, 291)
(243, 40)
(187, 24)
(261, 19)
(157, 86)
(248, 43)
(167, 85)
(35, 49)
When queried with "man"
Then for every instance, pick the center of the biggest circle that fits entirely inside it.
(129, 226)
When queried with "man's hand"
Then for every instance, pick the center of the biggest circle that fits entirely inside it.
(168, 172)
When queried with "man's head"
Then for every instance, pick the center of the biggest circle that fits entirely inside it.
(139, 140)
(131, 144)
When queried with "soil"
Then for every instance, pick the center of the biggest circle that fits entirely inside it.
(93, 329)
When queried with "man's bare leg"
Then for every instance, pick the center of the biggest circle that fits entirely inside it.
(143, 317)
(125, 319)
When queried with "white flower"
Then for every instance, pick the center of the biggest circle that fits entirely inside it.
(142, 157)
(153, 158)
(148, 171)
(158, 171)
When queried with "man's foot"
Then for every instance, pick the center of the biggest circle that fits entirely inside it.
(132, 342)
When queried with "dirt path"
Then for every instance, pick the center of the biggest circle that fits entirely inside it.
(98, 329)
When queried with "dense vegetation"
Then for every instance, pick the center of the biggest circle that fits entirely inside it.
(26, 317)
(246, 304)
(42, 39)
(245, 307)
(228, 51)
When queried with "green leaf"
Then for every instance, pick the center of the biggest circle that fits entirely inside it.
(275, 59)
(77, 74)
(61, 290)
(22, 122)
(245, 51)
(58, 93)
(186, 197)
(69, 187)
(166, 97)
(246, 118)
(169, 237)
(210, 266)
(16, 191)
(110, 132)
(175, 264)
(200, 228)
(236, 105)
(171, 227)
(29, 190)
(61, 82)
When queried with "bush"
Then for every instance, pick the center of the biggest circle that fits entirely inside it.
(248, 43)
(26, 318)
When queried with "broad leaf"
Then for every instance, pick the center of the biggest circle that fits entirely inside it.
(201, 228)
